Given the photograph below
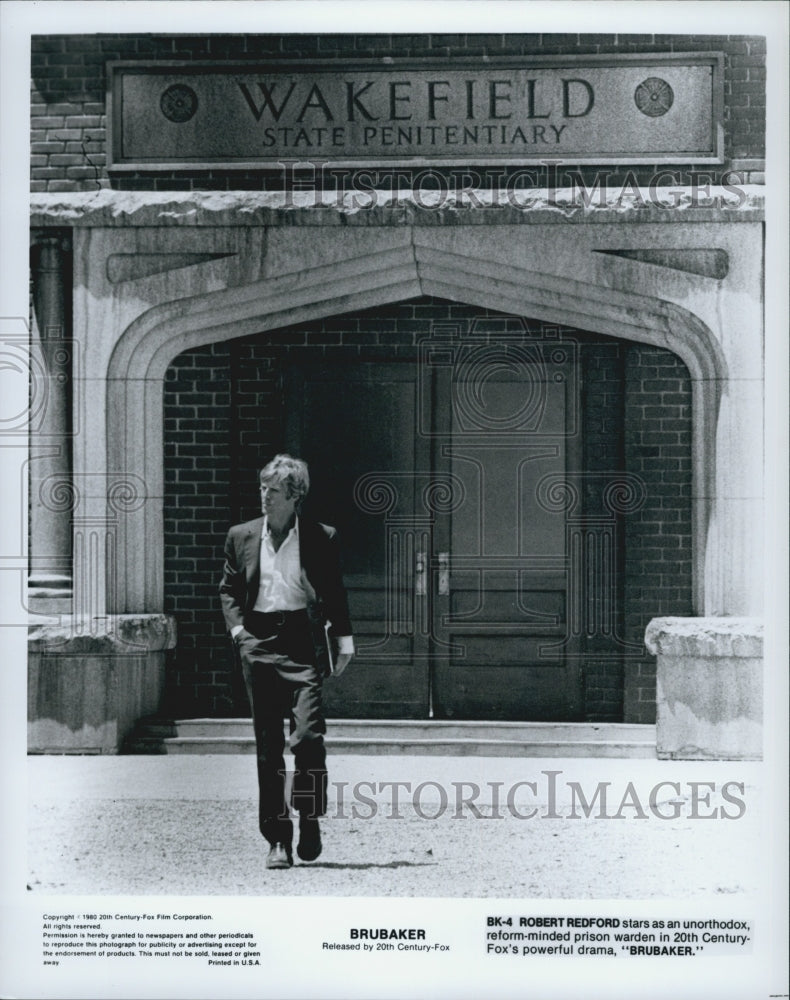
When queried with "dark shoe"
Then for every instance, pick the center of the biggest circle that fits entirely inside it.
(279, 856)
(309, 846)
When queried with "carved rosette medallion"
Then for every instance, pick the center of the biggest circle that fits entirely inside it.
(178, 103)
(654, 97)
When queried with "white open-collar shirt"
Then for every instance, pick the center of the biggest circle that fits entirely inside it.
(281, 587)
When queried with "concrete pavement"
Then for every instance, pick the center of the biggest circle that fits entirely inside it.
(401, 826)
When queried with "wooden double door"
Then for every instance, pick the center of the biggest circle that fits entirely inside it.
(446, 475)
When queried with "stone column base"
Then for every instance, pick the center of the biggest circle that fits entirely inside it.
(90, 680)
(709, 687)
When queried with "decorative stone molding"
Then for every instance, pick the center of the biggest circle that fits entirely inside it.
(709, 687)
(386, 208)
(711, 263)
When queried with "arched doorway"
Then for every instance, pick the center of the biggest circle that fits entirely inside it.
(144, 352)
(487, 488)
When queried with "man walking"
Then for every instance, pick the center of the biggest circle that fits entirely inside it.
(281, 584)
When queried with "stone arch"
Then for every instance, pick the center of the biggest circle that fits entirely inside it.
(146, 348)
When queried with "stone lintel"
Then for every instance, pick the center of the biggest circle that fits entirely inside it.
(107, 209)
(705, 638)
(126, 635)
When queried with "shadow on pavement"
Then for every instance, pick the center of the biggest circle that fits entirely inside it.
(363, 865)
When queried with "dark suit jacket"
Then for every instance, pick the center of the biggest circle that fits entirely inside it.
(320, 558)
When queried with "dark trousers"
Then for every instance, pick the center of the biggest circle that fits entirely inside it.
(278, 663)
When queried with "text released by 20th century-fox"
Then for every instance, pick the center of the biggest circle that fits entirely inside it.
(198, 938)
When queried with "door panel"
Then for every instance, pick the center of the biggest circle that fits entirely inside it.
(456, 565)
(511, 425)
(354, 426)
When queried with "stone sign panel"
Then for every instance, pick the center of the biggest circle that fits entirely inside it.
(585, 110)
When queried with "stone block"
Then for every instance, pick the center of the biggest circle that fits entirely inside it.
(90, 680)
(709, 690)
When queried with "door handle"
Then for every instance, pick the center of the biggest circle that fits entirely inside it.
(420, 571)
(444, 574)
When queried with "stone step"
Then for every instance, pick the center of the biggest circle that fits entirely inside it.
(439, 737)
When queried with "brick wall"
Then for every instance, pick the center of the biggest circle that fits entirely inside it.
(658, 542)
(69, 121)
(197, 432)
(224, 418)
